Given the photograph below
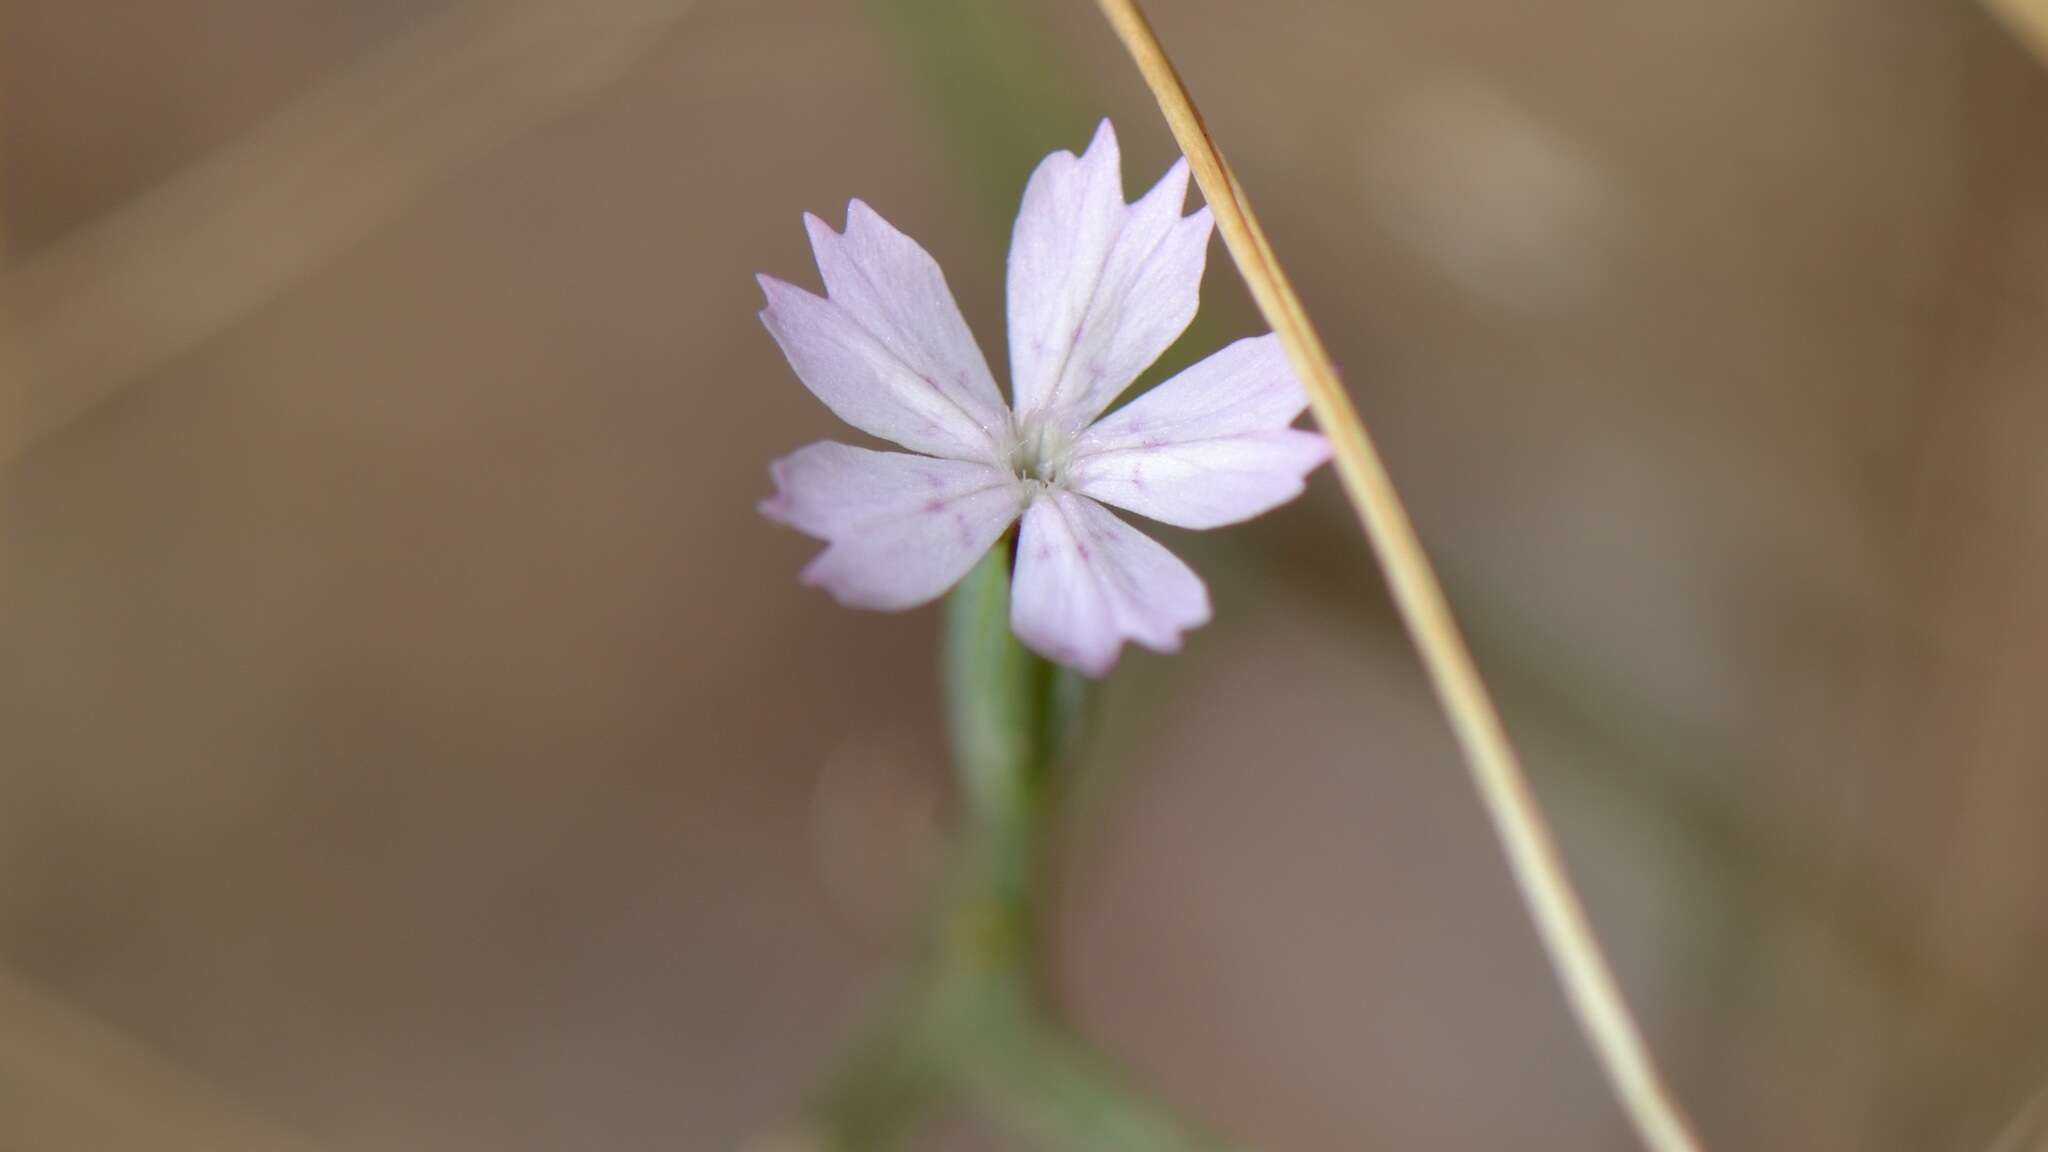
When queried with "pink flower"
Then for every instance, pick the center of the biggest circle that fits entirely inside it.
(1097, 290)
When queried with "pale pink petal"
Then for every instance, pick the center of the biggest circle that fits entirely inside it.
(1209, 447)
(1086, 581)
(895, 290)
(902, 529)
(1097, 288)
(886, 348)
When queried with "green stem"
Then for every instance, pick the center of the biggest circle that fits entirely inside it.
(1045, 1084)
(997, 696)
(900, 1069)
(973, 1018)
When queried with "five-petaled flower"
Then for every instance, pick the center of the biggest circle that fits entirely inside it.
(1098, 288)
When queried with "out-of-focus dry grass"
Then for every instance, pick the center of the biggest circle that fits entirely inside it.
(413, 735)
(2029, 20)
(112, 301)
(69, 1083)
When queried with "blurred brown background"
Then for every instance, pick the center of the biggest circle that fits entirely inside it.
(411, 738)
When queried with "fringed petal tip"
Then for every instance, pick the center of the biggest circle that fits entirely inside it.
(859, 217)
(1316, 455)
(1097, 287)
(1102, 138)
(1209, 447)
(885, 347)
(900, 529)
(1086, 582)
(822, 572)
(778, 506)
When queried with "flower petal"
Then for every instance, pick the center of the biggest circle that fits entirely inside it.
(1086, 581)
(1209, 447)
(887, 349)
(902, 529)
(1097, 288)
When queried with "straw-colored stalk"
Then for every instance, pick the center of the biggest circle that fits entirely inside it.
(1532, 854)
(2028, 20)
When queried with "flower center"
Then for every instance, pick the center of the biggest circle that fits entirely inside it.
(1041, 450)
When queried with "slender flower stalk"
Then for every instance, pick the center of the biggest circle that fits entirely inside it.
(1590, 987)
(1007, 504)
(972, 1019)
